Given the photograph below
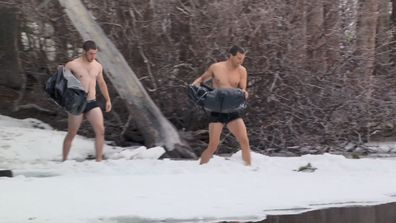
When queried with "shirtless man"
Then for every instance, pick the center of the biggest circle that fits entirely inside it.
(227, 74)
(88, 71)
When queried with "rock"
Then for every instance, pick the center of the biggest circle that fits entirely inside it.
(6, 173)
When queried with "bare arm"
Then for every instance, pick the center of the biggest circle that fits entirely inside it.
(69, 65)
(243, 82)
(103, 88)
(204, 77)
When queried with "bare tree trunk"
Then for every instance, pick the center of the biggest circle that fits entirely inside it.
(156, 129)
(298, 26)
(365, 51)
(382, 54)
(315, 37)
(393, 25)
(11, 72)
(332, 28)
(365, 36)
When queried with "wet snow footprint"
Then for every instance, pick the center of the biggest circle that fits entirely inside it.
(5, 146)
(7, 135)
(35, 174)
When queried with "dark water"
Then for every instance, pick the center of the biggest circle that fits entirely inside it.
(384, 213)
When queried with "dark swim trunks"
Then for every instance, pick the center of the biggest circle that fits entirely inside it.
(90, 105)
(224, 118)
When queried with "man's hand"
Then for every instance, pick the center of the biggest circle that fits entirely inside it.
(196, 83)
(246, 93)
(108, 106)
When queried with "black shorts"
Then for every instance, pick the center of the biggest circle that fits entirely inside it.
(224, 118)
(90, 105)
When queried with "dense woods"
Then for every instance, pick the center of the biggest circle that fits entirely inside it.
(321, 73)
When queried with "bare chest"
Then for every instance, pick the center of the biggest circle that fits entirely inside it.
(222, 78)
(86, 73)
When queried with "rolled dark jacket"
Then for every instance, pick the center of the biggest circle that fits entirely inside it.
(66, 91)
(225, 100)
(221, 100)
(197, 94)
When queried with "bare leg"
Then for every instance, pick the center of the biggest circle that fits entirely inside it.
(73, 122)
(214, 140)
(95, 118)
(238, 129)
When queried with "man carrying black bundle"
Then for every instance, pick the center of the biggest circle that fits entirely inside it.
(89, 72)
(224, 75)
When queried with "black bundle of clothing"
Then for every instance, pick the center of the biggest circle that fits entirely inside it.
(221, 100)
(66, 90)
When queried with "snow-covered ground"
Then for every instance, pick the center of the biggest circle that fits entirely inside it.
(132, 185)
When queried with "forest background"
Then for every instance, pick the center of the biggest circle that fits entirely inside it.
(321, 73)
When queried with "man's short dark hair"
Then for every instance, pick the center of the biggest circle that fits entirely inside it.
(89, 45)
(236, 49)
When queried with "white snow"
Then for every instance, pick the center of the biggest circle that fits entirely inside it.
(132, 185)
